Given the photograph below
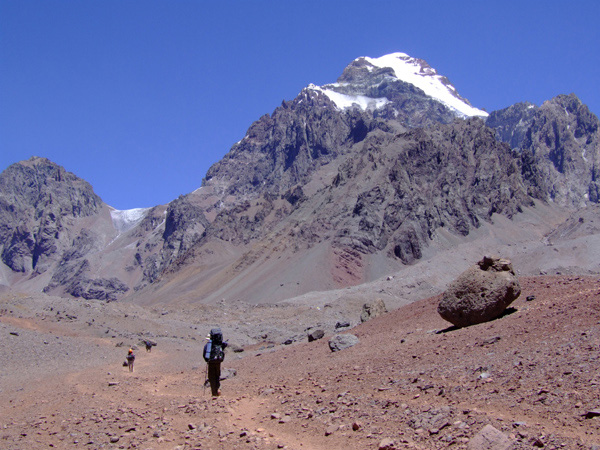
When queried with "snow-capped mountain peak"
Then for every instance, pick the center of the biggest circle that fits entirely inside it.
(354, 88)
(422, 75)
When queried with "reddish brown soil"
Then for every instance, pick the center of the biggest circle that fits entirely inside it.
(533, 374)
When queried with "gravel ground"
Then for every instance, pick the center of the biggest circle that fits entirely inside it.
(410, 382)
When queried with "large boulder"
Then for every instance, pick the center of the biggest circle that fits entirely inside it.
(481, 293)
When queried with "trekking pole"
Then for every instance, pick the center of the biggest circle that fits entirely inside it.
(205, 380)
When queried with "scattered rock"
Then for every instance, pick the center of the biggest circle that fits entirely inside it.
(315, 335)
(490, 341)
(372, 310)
(342, 341)
(235, 348)
(331, 429)
(537, 442)
(592, 413)
(387, 444)
(432, 420)
(342, 324)
(227, 373)
(490, 438)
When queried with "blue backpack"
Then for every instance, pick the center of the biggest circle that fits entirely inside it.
(213, 350)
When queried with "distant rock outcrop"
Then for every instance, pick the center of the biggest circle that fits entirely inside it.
(481, 293)
(73, 280)
(281, 150)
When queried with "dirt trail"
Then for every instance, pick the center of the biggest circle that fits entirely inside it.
(248, 416)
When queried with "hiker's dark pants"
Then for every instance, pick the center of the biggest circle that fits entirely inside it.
(214, 377)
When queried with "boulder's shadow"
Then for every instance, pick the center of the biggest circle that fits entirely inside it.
(506, 312)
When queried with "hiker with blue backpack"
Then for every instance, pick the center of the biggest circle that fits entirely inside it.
(214, 354)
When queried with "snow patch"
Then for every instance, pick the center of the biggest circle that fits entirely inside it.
(426, 78)
(125, 220)
(344, 101)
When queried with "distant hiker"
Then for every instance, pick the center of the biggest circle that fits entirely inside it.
(149, 345)
(130, 359)
(214, 355)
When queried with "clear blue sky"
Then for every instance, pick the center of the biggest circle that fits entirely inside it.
(141, 97)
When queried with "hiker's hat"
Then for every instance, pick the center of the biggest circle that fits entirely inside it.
(130, 350)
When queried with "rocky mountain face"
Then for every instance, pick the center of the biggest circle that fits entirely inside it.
(559, 144)
(39, 202)
(281, 150)
(416, 182)
(349, 181)
(48, 228)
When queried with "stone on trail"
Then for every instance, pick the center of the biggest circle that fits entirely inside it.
(481, 293)
(592, 413)
(331, 429)
(387, 444)
(227, 373)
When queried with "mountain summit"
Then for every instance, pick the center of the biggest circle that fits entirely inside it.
(363, 83)
(282, 149)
